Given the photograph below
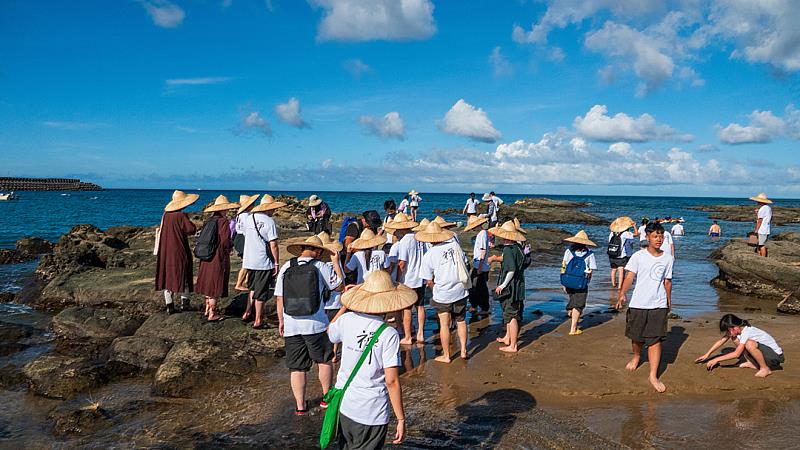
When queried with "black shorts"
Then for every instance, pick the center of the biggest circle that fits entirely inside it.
(648, 326)
(618, 262)
(420, 296)
(577, 299)
(354, 435)
(772, 359)
(458, 309)
(512, 309)
(302, 351)
(262, 283)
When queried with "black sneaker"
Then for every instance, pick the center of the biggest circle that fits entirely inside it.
(186, 305)
(171, 309)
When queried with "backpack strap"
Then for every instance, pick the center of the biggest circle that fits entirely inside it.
(364, 354)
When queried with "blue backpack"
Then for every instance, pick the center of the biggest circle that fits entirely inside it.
(346, 223)
(574, 276)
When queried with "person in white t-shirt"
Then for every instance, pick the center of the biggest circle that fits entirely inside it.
(260, 256)
(403, 205)
(405, 258)
(677, 229)
(364, 413)
(246, 203)
(642, 235)
(760, 350)
(668, 246)
(440, 269)
(471, 208)
(364, 255)
(413, 202)
(332, 302)
(579, 248)
(763, 222)
(305, 340)
(646, 320)
(620, 250)
(479, 293)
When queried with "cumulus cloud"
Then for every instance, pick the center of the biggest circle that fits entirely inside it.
(465, 120)
(500, 64)
(357, 68)
(764, 126)
(251, 124)
(390, 126)
(599, 126)
(199, 81)
(289, 113)
(164, 13)
(367, 20)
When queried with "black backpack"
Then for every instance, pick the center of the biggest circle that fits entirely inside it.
(207, 241)
(301, 296)
(615, 246)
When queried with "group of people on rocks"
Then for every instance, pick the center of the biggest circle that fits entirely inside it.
(334, 297)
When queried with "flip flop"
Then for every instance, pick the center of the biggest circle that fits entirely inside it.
(577, 332)
(218, 319)
(263, 326)
(301, 412)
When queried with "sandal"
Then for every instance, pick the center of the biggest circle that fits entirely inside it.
(301, 412)
(218, 319)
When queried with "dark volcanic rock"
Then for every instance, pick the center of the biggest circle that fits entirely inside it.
(26, 249)
(80, 327)
(135, 353)
(58, 376)
(190, 364)
(83, 420)
(84, 247)
(540, 210)
(781, 215)
(790, 304)
(12, 336)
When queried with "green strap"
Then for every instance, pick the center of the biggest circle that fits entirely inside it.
(367, 350)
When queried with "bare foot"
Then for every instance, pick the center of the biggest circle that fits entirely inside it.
(508, 349)
(464, 355)
(748, 365)
(503, 341)
(420, 337)
(443, 359)
(657, 384)
(632, 365)
(763, 373)
(406, 341)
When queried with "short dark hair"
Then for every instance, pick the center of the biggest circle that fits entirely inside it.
(472, 194)
(654, 227)
(714, 221)
(645, 221)
(389, 204)
(372, 219)
(729, 321)
(491, 193)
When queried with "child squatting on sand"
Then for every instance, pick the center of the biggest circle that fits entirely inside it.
(755, 346)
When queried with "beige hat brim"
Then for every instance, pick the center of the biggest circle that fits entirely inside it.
(296, 248)
(621, 224)
(334, 247)
(433, 238)
(508, 235)
(358, 300)
(316, 202)
(761, 200)
(221, 207)
(401, 225)
(264, 207)
(177, 205)
(480, 221)
(252, 199)
(576, 240)
(360, 244)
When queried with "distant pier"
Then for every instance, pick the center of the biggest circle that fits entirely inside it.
(46, 184)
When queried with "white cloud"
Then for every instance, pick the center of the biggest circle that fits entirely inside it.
(500, 64)
(465, 120)
(199, 81)
(599, 126)
(289, 113)
(252, 123)
(367, 20)
(357, 68)
(620, 148)
(391, 126)
(764, 126)
(164, 13)
(73, 126)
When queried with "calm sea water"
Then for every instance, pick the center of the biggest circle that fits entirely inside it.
(50, 214)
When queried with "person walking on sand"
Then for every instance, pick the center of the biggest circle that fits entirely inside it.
(413, 202)
(299, 293)
(763, 222)
(214, 272)
(646, 319)
(471, 208)
(174, 269)
(576, 273)
(759, 350)
(479, 293)
(364, 411)
(407, 253)
(715, 230)
(619, 248)
(440, 269)
(510, 291)
(261, 256)
(246, 203)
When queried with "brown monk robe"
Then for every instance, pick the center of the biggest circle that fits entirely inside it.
(213, 275)
(174, 263)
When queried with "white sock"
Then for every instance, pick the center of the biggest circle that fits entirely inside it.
(168, 296)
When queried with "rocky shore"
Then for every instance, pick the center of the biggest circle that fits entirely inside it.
(781, 215)
(541, 210)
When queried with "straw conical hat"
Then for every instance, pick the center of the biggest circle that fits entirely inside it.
(400, 222)
(245, 201)
(378, 295)
(519, 226)
(433, 233)
(443, 223)
(761, 198)
(296, 247)
(221, 203)
(330, 243)
(314, 200)
(621, 224)
(508, 231)
(486, 197)
(268, 203)
(180, 200)
(413, 192)
(422, 225)
(474, 222)
(368, 239)
(581, 238)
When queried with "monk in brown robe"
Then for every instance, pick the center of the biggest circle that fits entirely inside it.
(174, 262)
(213, 275)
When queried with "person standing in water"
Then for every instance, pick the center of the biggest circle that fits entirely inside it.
(715, 230)
(174, 268)
(471, 207)
(510, 290)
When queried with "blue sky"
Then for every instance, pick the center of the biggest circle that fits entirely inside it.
(687, 97)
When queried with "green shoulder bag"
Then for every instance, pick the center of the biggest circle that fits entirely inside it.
(330, 425)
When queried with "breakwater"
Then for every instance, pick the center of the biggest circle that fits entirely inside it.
(46, 184)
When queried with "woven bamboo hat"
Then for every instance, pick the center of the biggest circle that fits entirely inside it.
(245, 201)
(221, 203)
(761, 198)
(180, 200)
(508, 231)
(413, 192)
(486, 197)
(519, 226)
(296, 247)
(368, 239)
(268, 203)
(378, 295)
(433, 233)
(474, 222)
(314, 200)
(400, 222)
(329, 243)
(621, 224)
(581, 238)
(443, 223)
(422, 225)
